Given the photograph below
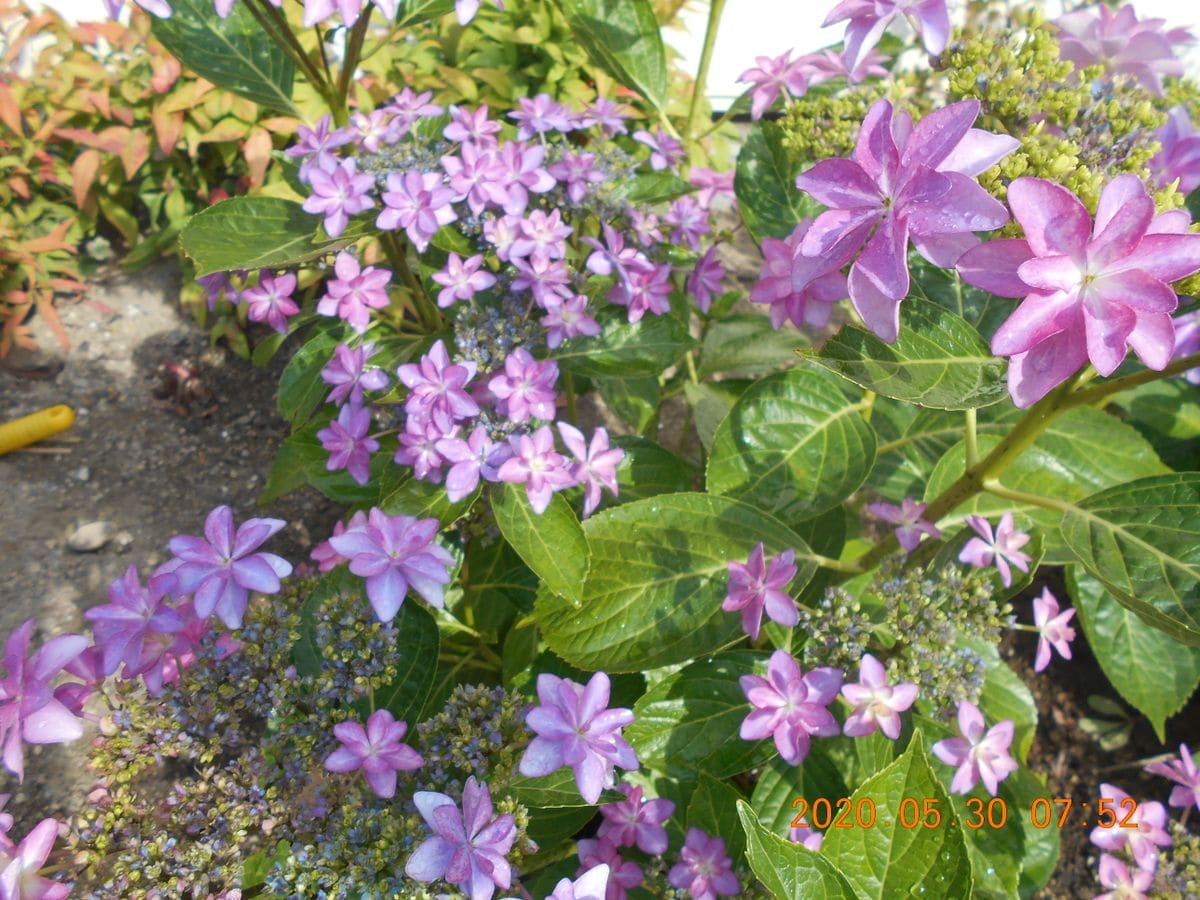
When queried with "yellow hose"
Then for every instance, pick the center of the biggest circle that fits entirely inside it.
(35, 427)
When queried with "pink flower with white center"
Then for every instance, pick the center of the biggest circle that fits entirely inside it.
(624, 875)
(905, 181)
(712, 185)
(542, 276)
(408, 107)
(790, 707)
(536, 465)
(324, 555)
(1121, 44)
(797, 288)
(755, 586)
(595, 466)
(1141, 827)
(1003, 547)
(1053, 629)
(1089, 290)
(348, 373)
(523, 174)
(20, 863)
(689, 221)
(979, 755)
(1123, 884)
(418, 449)
(806, 837)
(355, 292)
(467, 848)
(704, 869)
(376, 129)
(648, 290)
(525, 390)
(462, 280)
(613, 257)
(339, 191)
(419, 203)
(577, 171)
(907, 519)
(827, 65)
(609, 115)
(376, 750)
(314, 148)
(575, 728)
(477, 174)
(704, 283)
(1179, 157)
(540, 115)
(541, 234)
(645, 228)
(1186, 793)
(869, 19)
(501, 233)
(135, 628)
(590, 885)
(635, 820)
(472, 125)
(346, 441)
(877, 705)
(666, 152)
(437, 388)
(271, 300)
(477, 456)
(567, 318)
(29, 713)
(394, 553)
(770, 77)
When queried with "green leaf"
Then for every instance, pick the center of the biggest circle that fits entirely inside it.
(1079, 453)
(651, 187)
(648, 470)
(417, 641)
(790, 871)
(690, 720)
(623, 38)
(233, 53)
(257, 233)
(792, 445)
(623, 350)
(714, 810)
(711, 402)
(552, 544)
(1142, 540)
(402, 494)
(553, 828)
(1167, 413)
(765, 185)
(889, 860)
(985, 312)
(745, 344)
(496, 587)
(554, 791)
(301, 390)
(414, 12)
(780, 783)
(258, 866)
(305, 652)
(658, 577)
(1123, 645)
(937, 361)
(302, 460)
(634, 400)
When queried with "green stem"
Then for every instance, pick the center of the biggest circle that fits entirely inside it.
(276, 26)
(354, 46)
(423, 307)
(691, 367)
(972, 439)
(1125, 383)
(715, 8)
(569, 384)
(996, 489)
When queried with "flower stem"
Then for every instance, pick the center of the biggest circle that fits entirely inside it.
(569, 384)
(278, 30)
(994, 487)
(972, 439)
(1127, 382)
(397, 255)
(715, 8)
(354, 46)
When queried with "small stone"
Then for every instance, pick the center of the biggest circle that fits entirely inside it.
(123, 541)
(90, 537)
(83, 473)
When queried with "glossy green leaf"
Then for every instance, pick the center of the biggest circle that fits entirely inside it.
(711, 402)
(301, 389)
(634, 400)
(790, 871)
(745, 344)
(624, 349)
(403, 495)
(658, 577)
(1167, 413)
(792, 445)
(765, 184)
(554, 791)
(651, 187)
(552, 544)
(649, 469)
(497, 586)
(414, 12)
(779, 784)
(417, 641)
(985, 312)
(623, 38)
(714, 811)
(233, 53)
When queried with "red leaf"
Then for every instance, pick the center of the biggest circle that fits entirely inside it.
(10, 114)
(45, 308)
(135, 152)
(83, 175)
(168, 127)
(257, 153)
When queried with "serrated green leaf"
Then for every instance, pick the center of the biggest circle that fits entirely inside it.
(711, 402)
(554, 791)
(746, 344)
(651, 187)
(780, 783)
(648, 470)
(765, 184)
(552, 544)
(301, 389)
(634, 400)
(790, 871)
(714, 810)
(623, 38)
(417, 642)
(403, 495)
(624, 349)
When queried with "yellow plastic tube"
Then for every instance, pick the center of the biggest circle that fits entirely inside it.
(35, 427)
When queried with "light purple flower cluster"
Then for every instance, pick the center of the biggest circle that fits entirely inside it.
(867, 20)
(981, 754)
(1142, 829)
(1123, 45)
(20, 863)
(376, 750)
(771, 77)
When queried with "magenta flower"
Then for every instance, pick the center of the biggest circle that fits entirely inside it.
(1187, 792)
(324, 555)
(462, 280)
(705, 281)
(797, 288)
(1089, 290)
(827, 65)
(375, 129)
(339, 191)
(613, 257)
(355, 292)
(348, 374)
(523, 174)
(471, 125)
(704, 869)
(577, 172)
(647, 290)
(220, 570)
(540, 115)
(19, 878)
(575, 728)
(525, 390)
(877, 705)
(869, 19)
(595, 466)
(467, 848)
(478, 175)
(806, 837)
(136, 628)
(376, 749)
(314, 148)
(712, 185)
(1121, 44)
(755, 586)
(437, 388)
(29, 711)
(769, 77)
(666, 152)
(789, 707)
(1123, 884)
(317, 11)
(1180, 153)
(907, 518)
(395, 553)
(567, 318)
(635, 820)
(536, 465)
(408, 107)
(644, 226)
(624, 875)
(1004, 547)
(979, 756)
(271, 301)
(904, 181)
(689, 222)
(547, 279)
(419, 203)
(541, 234)
(346, 441)
(418, 448)
(591, 885)
(1053, 628)
(469, 459)
(1145, 828)
(608, 114)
